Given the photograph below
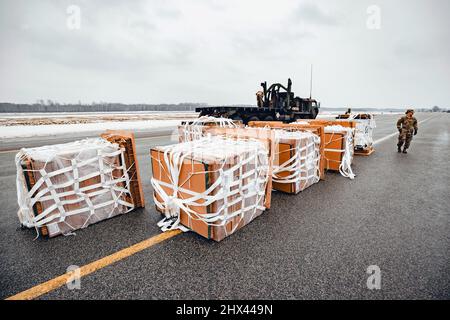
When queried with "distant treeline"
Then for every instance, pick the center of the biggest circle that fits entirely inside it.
(121, 107)
(100, 107)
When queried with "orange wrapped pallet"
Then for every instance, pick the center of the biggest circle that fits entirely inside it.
(62, 188)
(297, 161)
(212, 186)
(317, 130)
(339, 148)
(265, 136)
(363, 125)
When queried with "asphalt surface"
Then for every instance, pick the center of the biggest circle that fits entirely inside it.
(315, 245)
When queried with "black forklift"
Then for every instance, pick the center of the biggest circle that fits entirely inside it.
(274, 103)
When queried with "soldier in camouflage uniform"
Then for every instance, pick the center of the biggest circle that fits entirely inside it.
(407, 126)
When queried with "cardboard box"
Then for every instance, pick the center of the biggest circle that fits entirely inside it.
(73, 187)
(183, 189)
(265, 136)
(299, 153)
(334, 144)
(362, 134)
(316, 129)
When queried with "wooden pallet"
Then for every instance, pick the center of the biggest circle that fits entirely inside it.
(125, 139)
(364, 152)
(30, 180)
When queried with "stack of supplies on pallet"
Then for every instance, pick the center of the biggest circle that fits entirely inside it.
(339, 149)
(363, 125)
(364, 134)
(316, 130)
(297, 161)
(264, 135)
(212, 186)
(65, 187)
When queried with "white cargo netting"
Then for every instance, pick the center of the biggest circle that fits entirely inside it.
(364, 133)
(304, 165)
(194, 130)
(345, 168)
(237, 173)
(76, 184)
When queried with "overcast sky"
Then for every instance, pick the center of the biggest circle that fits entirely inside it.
(218, 51)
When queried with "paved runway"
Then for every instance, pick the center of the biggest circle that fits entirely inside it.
(315, 245)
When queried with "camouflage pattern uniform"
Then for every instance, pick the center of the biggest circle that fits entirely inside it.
(406, 127)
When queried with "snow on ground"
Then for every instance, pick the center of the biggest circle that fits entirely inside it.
(9, 132)
(38, 115)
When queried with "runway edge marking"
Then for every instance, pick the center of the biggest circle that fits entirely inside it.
(85, 270)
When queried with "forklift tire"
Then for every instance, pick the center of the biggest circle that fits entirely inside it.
(236, 118)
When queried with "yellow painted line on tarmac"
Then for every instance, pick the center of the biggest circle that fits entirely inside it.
(9, 151)
(85, 270)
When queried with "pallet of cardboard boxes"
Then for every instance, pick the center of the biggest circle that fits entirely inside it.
(299, 155)
(213, 185)
(338, 144)
(66, 187)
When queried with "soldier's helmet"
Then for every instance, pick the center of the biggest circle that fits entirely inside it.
(409, 110)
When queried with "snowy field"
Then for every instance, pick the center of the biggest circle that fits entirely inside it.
(8, 132)
(16, 125)
(156, 114)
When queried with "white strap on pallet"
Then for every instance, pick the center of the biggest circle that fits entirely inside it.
(109, 191)
(230, 187)
(304, 165)
(345, 168)
(194, 130)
